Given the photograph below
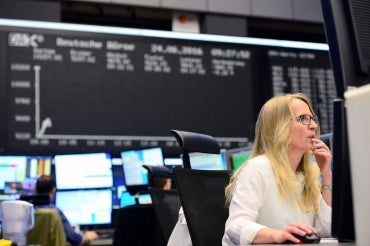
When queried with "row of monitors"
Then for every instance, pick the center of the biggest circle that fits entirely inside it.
(94, 170)
(88, 184)
(85, 181)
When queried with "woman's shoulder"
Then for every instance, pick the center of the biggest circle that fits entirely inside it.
(257, 164)
(257, 173)
(260, 161)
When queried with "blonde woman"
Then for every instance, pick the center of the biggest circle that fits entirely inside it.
(282, 192)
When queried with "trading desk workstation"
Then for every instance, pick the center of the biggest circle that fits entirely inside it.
(111, 195)
(152, 74)
(97, 192)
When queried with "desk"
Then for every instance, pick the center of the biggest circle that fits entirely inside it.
(109, 242)
(324, 242)
(103, 242)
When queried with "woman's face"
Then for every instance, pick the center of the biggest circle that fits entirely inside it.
(301, 135)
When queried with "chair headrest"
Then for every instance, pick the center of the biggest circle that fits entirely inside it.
(159, 171)
(196, 142)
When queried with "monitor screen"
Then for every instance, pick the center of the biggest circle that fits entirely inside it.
(91, 207)
(238, 156)
(20, 172)
(207, 161)
(8, 197)
(133, 161)
(126, 198)
(173, 162)
(81, 171)
(347, 32)
(343, 223)
(118, 181)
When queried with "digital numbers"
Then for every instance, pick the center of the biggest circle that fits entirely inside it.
(230, 53)
(176, 50)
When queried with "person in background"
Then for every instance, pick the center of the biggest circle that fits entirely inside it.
(159, 177)
(284, 189)
(46, 184)
(161, 183)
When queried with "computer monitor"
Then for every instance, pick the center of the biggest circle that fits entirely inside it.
(347, 32)
(343, 226)
(173, 161)
(91, 208)
(238, 156)
(35, 167)
(8, 197)
(133, 161)
(118, 181)
(207, 161)
(12, 172)
(83, 171)
(127, 199)
(20, 172)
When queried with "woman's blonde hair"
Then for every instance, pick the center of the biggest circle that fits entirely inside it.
(272, 138)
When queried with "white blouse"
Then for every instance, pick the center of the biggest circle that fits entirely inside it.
(256, 205)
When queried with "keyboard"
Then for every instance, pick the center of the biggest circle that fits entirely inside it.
(105, 233)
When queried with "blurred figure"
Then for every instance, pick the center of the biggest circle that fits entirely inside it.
(46, 184)
(160, 177)
(161, 183)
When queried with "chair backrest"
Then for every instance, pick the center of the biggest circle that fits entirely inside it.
(166, 205)
(195, 142)
(48, 228)
(137, 225)
(202, 194)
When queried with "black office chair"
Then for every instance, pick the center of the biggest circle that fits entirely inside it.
(195, 142)
(137, 225)
(158, 172)
(166, 205)
(202, 192)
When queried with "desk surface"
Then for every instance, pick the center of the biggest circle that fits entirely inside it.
(103, 242)
(323, 242)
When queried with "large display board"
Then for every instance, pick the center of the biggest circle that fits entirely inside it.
(75, 88)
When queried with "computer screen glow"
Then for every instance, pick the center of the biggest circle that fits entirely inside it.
(133, 161)
(207, 161)
(86, 207)
(239, 156)
(20, 172)
(82, 171)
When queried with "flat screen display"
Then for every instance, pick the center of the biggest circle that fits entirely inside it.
(133, 161)
(173, 162)
(238, 156)
(83, 171)
(86, 207)
(207, 161)
(20, 172)
(127, 199)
